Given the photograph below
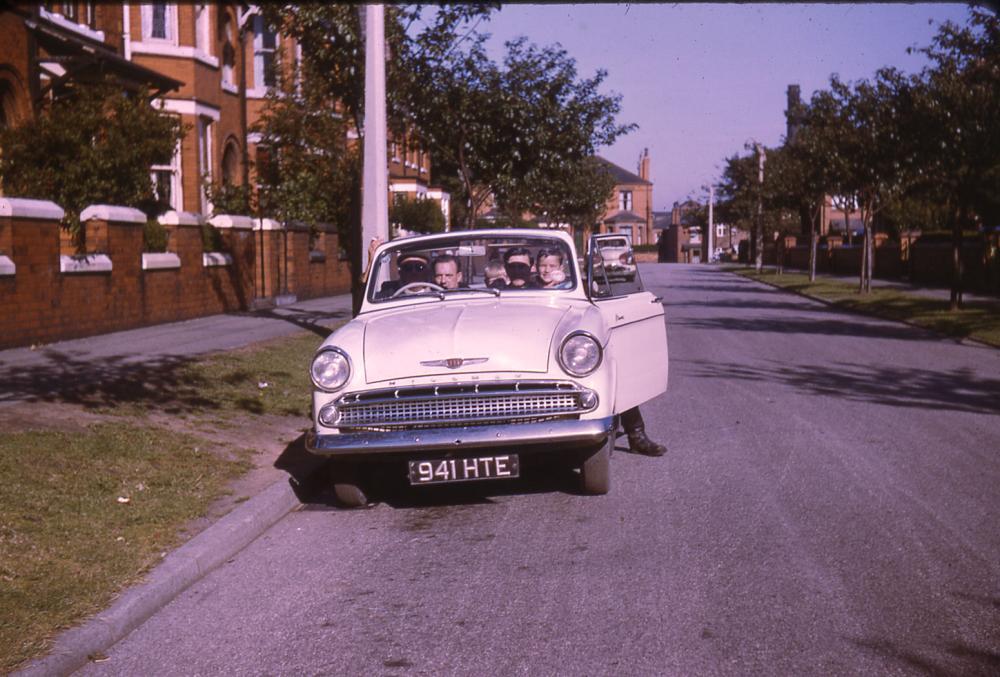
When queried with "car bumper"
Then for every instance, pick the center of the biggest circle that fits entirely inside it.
(527, 437)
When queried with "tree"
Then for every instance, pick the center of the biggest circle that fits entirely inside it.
(333, 51)
(958, 121)
(421, 216)
(94, 145)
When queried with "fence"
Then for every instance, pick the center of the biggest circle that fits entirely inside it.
(920, 262)
(49, 292)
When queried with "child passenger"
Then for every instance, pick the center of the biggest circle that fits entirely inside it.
(495, 275)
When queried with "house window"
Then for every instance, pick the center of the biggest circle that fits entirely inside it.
(264, 44)
(202, 29)
(91, 14)
(159, 22)
(69, 11)
(625, 200)
(228, 51)
(720, 230)
(167, 182)
(205, 133)
(231, 164)
(394, 151)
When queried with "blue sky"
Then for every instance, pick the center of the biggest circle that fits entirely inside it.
(700, 80)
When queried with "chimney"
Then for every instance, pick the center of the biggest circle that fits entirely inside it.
(793, 113)
(644, 165)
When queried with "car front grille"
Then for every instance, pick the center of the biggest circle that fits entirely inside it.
(462, 404)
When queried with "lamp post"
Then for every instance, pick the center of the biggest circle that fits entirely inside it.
(375, 186)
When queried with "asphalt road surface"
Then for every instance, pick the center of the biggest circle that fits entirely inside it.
(829, 505)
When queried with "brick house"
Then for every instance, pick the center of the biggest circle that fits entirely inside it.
(209, 64)
(629, 210)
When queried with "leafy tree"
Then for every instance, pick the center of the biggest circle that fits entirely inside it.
(422, 216)
(958, 123)
(94, 145)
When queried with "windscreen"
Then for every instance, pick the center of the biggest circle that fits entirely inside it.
(453, 266)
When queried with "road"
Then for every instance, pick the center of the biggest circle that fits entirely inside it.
(829, 505)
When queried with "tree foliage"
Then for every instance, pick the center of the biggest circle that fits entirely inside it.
(419, 216)
(94, 145)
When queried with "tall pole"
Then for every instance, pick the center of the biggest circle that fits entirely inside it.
(375, 191)
(710, 239)
(759, 238)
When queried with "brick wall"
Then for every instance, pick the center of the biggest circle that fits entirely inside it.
(44, 301)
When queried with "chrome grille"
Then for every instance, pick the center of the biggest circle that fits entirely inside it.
(460, 404)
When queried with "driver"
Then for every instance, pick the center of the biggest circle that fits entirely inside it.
(446, 272)
(412, 268)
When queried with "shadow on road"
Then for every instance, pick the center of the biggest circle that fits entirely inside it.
(967, 660)
(958, 390)
(835, 326)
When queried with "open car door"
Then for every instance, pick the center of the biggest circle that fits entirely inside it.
(634, 316)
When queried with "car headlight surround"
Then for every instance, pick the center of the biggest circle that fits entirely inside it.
(580, 354)
(330, 369)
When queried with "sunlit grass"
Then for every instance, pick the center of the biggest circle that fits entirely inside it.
(978, 320)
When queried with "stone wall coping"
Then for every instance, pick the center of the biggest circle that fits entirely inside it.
(88, 263)
(232, 221)
(30, 209)
(160, 260)
(7, 266)
(175, 218)
(209, 259)
(113, 214)
(267, 224)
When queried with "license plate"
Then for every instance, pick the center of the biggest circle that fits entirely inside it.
(440, 470)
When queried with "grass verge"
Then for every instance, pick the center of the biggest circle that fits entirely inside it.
(85, 512)
(979, 320)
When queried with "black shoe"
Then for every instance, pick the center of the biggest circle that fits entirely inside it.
(641, 444)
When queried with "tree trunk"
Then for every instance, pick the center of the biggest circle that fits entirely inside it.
(813, 244)
(956, 259)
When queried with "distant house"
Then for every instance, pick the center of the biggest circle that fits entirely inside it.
(630, 208)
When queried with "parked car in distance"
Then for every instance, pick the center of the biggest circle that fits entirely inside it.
(618, 258)
(456, 381)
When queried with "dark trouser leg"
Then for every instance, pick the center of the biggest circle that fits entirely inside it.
(635, 428)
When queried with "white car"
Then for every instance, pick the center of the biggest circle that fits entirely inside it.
(464, 381)
(618, 258)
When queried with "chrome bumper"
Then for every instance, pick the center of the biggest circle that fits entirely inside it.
(545, 435)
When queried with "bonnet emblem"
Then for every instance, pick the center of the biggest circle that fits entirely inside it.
(454, 362)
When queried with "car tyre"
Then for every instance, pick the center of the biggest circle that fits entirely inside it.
(595, 473)
(347, 487)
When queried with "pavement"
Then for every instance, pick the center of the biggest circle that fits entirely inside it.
(31, 372)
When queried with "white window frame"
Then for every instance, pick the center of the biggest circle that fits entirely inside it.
(176, 183)
(258, 53)
(720, 230)
(625, 200)
(229, 70)
(203, 29)
(170, 18)
(205, 136)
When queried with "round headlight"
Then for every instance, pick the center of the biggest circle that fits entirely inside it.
(580, 354)
(330, 369)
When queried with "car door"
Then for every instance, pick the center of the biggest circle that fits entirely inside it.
(634, 317)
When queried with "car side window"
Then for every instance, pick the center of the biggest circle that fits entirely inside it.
(613, 268)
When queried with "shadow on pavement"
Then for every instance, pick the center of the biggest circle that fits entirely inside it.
(958, 390)
(310, 320)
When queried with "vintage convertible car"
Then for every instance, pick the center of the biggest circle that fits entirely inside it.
(477, 353)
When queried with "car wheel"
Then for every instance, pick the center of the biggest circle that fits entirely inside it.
(350, 495)
(347, 488)
(595, 473)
